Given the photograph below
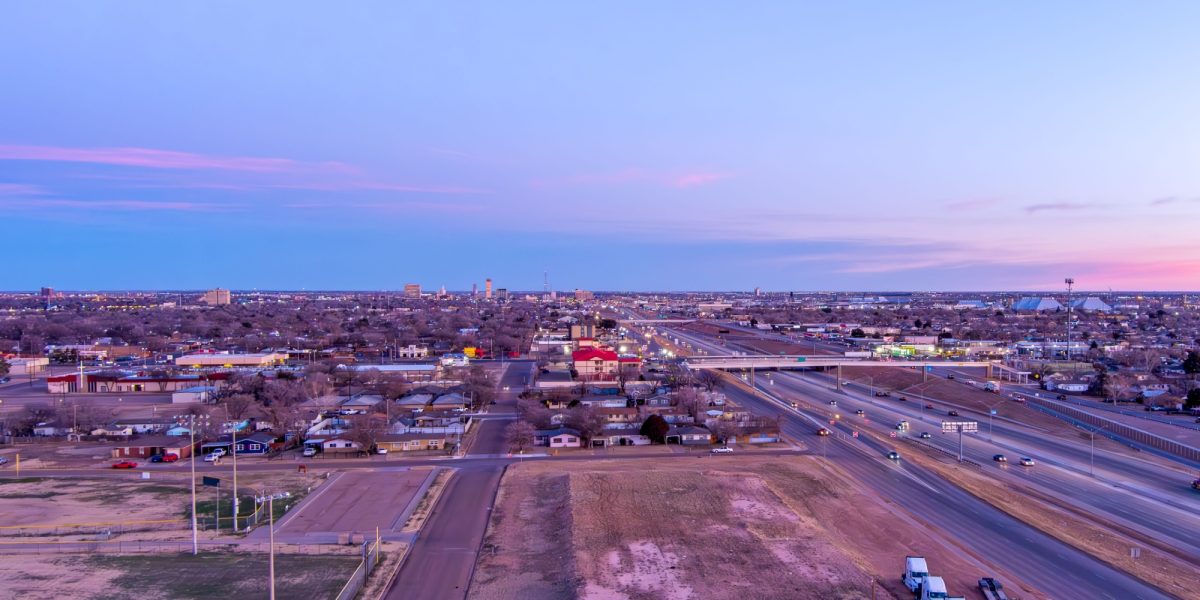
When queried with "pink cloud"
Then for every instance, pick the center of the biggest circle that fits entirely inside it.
(20, 189)
(1061, 206)
(379, 186)
(633, 175)
(161, 159)
(113, 205)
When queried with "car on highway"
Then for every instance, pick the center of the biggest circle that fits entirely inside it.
(950, 377)
(903, 399)
(1000, 458)
(893, 455)
(3, 460)
(860, 412)
(925, 435)
(506, 388)
(125, 464)
(1196, 484)
(882, 393)
(928, 405)
(833, 402)
(952, 413)
(902, 425)
(722, 450)
(309, 451)
(1026, 461)
(823, 431)
(170, 458)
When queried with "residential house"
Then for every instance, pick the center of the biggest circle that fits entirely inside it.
(689, 435)
(619, 416)
(411, 442)
(562, 437)
(147, 446)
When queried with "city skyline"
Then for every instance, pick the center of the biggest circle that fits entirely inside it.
(868, 147)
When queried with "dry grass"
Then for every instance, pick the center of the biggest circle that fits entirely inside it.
(744, 527)
(421, 513)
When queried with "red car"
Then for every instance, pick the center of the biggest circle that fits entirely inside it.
(125, 464)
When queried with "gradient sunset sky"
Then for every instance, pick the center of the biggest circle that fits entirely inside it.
(619, 145)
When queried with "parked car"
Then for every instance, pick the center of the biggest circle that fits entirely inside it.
(3, 460)
(381, 451)
(309, 451)
(125, 464)
(722, 450)
(212, 457)
(1026, 461)
(893, 455)
(5, 379)
(925, 435)
(170, 457)
(1000, 458)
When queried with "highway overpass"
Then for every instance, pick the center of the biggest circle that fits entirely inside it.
(800, 361)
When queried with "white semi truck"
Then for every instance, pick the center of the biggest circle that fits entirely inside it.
(915, 571)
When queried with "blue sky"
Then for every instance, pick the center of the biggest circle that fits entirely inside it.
(673, 145)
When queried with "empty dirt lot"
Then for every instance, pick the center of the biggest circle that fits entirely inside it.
(356, 502)
(740, 528)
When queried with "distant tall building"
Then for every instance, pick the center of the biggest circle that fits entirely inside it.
(502, 294)
(487, 288)
(412, 290)
(474, 289)
(217, 297)
(47, 293)
(757, 291)
(584, 295)
(442, 293)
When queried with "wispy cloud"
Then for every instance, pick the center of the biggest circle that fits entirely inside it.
(21, 189)
(113, 205)
(151, 158)
(1174, 200)
(635, 175)
(971, 205)
(1061, 206)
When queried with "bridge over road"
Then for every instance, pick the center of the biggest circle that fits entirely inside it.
(800, 361)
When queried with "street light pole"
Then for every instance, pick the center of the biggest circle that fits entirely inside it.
(192, 449)
(271, 528)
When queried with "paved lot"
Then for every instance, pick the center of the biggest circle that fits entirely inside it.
(355, 502)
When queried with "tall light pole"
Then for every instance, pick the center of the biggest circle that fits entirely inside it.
(192, 420)
(1070, 281)
(271, 530)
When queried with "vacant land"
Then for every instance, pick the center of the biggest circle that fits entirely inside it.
(168, 576)
(49, 506)
(740, 528)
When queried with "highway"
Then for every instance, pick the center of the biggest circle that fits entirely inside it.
(1028, 556)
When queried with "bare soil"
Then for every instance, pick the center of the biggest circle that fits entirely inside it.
(743, 527)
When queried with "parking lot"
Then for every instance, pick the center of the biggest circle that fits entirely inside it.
(355, 502)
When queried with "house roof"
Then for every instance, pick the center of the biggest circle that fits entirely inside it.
(558, 431)
(586, 354)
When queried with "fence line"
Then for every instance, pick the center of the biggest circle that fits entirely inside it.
(1114, 428)
(370, 559)
(158, 546)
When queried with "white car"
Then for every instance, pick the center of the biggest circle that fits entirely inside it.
(212, 457)
(381, 451)
(722, 450)
(1026, 461)
(309, 452)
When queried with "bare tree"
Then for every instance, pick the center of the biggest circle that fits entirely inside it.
(519, 435)
(366, 429)
(710, 379)
(239, 405)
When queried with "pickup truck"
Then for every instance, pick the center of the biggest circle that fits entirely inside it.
(991, 588)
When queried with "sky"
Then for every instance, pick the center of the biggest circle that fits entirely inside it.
(615, 146)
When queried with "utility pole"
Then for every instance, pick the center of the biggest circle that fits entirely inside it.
(1070, 281)
(271, 528)
(195, 529)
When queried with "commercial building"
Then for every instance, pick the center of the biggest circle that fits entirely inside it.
(487, 288)
(584, 296)
(197, 361)
(412, 290)
(27, 366)
(217, 297)
(127, 383)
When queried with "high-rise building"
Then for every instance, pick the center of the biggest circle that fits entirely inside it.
(757, 291)
(487, 288)
(47, 293)
(502, 294)
(217, 297)
(474, 289)
(412, 290)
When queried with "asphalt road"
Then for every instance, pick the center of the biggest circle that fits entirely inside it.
(442, 559)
